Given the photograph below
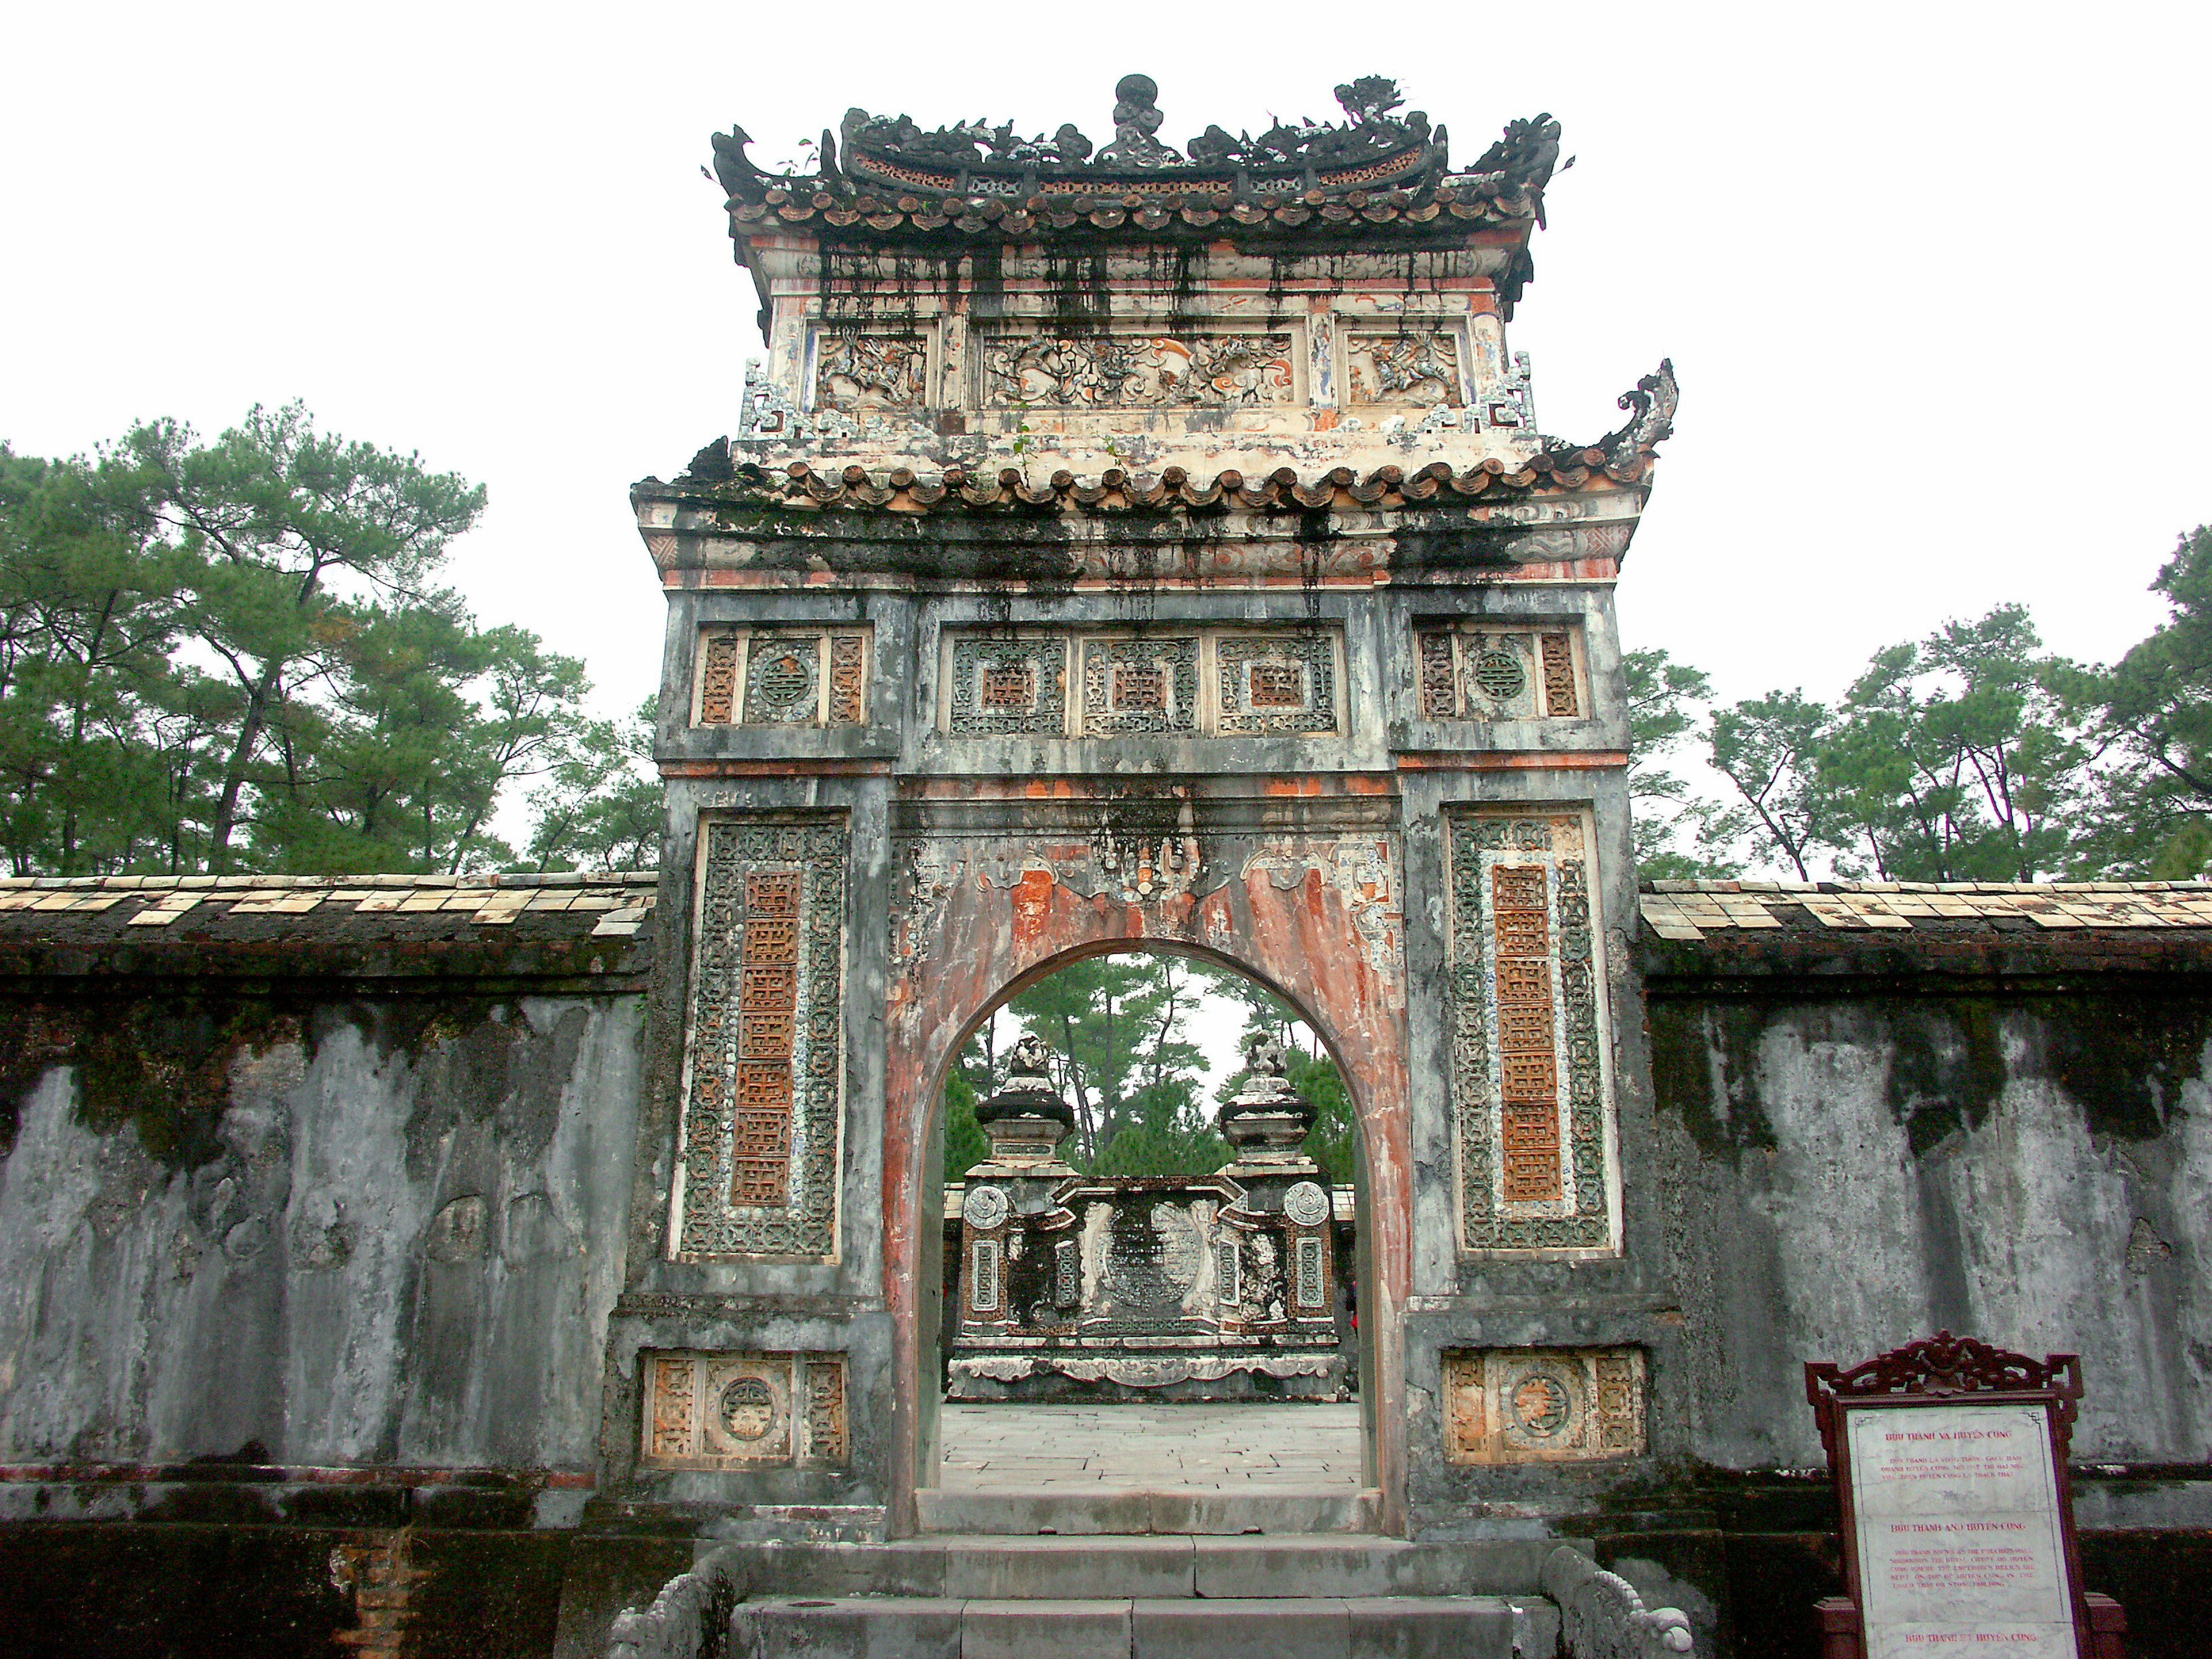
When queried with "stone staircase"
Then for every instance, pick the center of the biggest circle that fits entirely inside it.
(1122, 1596)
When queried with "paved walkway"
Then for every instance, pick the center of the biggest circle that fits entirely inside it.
(1102, 1448)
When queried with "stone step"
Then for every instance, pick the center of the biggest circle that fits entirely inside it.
(1056, 1510)
(1184, 1627)
(1138, 1568)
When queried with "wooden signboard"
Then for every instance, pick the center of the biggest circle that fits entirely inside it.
(1949, 1459)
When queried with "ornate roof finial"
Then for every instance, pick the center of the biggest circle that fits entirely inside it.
(1136, 120)
(1263, 1054)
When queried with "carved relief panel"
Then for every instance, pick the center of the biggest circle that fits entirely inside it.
(869, 370)
(1277, 683)
(1205, 683)
(1543, 1405)
(1183, 367)
(782, 676)
(763, 1071)
(1531, 1079)
(742, 1410)
(1484, 672)
(1410, 366)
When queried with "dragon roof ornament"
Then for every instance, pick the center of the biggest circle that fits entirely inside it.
(1375, 149)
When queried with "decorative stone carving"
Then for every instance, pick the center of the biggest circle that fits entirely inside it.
(1481, 672)
(1136, 119)
(1543, 1405)
(1306, 1204)
(848, 680)
(1267, 1120)
(1405, 370)
(1561, 699)
(1512, 402)
(1602, 1617)
(760, 1123)
(768, 677)
(1285, 683)
(1529, 1081)
(1140, 685)
(854, 370)
(741, 1410)
(783, 680)
(984, 1207)
(1214, 683)
(1374, 145)
(1009, 685)
(1204, 370)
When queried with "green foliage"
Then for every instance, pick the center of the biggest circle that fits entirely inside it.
(234, 653)
(1334, 1141)
(600, 808)
(1117, 1027)
(2148, 719)
(963, 1144)
(1680, 835)
(1769, 747)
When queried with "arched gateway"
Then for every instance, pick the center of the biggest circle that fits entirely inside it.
(1142, 551)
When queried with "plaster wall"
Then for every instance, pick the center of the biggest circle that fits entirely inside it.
(1844, 1173)
(398, 1245)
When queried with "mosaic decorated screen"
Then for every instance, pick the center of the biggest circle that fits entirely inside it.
(759, 1129)
(740, 1411)
(1202, 683)
(1488, 674)
(1543, 1405)
(1530, 1085)
(782, 676)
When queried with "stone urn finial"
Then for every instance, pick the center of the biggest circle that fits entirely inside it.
(1026, 1119)
(1266, 1118)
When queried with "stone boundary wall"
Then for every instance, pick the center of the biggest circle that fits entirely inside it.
(311, 1202)
(312, 1214)
(1889, 1110)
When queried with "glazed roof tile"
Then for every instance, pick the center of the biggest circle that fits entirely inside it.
(959, 489)
(1691, 909)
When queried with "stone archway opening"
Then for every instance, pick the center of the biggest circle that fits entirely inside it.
(1147, 1176)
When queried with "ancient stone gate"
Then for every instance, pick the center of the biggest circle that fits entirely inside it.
(1141, 550)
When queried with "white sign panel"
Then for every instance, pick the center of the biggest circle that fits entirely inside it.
(1961, 1549)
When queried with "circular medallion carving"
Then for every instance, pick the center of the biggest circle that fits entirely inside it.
(1542, 1406)
(1306, 1204)
(787, 680)
(984, 1207)
(747, 1408)
(1499, 673)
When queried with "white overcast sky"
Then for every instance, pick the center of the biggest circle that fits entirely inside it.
(1933, 277)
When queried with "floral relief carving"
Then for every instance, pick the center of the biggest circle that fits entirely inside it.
(855, 371)
(1416, 370)
(1139, 371)
(1543, 1405)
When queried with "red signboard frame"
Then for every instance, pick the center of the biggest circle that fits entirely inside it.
(1949, 1370)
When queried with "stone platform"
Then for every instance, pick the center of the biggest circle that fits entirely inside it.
(1118, 1598)
(1214, 1448)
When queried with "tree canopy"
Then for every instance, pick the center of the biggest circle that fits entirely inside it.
(237, 655)
(1971, 754)
(1119, 1029)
